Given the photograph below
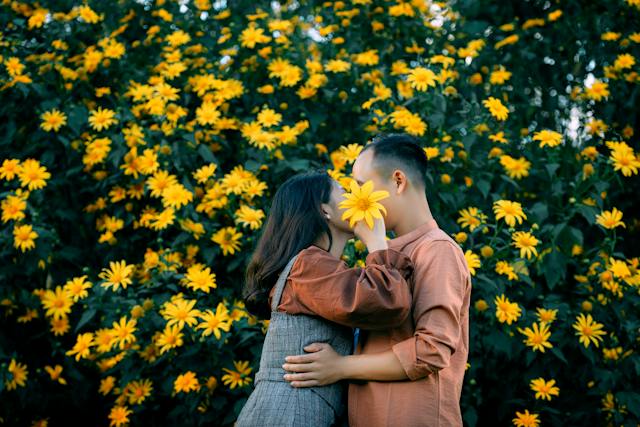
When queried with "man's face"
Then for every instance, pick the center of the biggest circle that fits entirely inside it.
(364, 171)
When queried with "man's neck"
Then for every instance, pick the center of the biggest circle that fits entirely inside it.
(414, 218)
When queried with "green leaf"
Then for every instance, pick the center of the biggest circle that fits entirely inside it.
(86, 317)
(551, 169)
(554, 264)
(588, 212)
(206, 154)
(538, 212)
(484, 187)
(558, 353)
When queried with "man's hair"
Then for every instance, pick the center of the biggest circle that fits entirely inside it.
(399, 151)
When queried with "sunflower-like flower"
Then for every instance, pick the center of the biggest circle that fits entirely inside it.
(362, 203)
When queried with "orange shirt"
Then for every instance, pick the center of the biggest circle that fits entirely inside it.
(432, 344)
(374, 296)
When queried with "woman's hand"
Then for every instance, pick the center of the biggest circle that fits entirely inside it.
(375, 239)
(321, 367)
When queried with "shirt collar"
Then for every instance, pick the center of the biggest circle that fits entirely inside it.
(414, 234)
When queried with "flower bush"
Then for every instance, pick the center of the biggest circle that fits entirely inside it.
(142, 141)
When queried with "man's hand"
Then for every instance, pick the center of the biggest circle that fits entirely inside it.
(320, 367)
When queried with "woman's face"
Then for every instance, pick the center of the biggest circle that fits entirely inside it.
(336, 213)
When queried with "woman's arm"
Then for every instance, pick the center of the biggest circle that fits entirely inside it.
(376, 296)
(323, 366)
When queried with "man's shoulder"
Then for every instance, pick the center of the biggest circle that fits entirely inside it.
(438, 238)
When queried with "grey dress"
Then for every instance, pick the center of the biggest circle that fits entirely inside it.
(274, 402)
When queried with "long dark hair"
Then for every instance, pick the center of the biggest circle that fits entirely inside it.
(294, 223)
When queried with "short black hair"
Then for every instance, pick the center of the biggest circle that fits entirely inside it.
(399, 151)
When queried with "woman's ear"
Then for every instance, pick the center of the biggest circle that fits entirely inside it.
(326, 210)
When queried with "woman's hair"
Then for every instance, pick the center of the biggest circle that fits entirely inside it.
(294, 223)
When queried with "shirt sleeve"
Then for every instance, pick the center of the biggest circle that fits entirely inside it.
(376, 296)
(441, 280)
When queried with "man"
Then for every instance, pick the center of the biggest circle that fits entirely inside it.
(410, 375)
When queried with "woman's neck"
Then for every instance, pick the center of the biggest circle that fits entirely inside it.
(338, 244)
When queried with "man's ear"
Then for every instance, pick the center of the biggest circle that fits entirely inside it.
(400, 180)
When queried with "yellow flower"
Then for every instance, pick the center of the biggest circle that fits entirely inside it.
(545, 315)
(588, 330)
(624, 159)
(499, 76)
(619, 268)
(351, 152)
(268, 117)
(337, 66)
(102, 118)
(88, 15)
(199, 278)
(170, 338)
(229, 240)
(597, 91)
(496, 108)
(471, 217)
(544, 389)
(213, 323)
(24, 237)
(175, 196)
(32, 174)
(515, 168)
(251, 36)
(81, 348)
(77, 287)
(207, 113)
(55, 373)
(53, 120)
(537, 336)
(239, 377)
(624, 61)
(9, 169)
(473, 261)
(185, 383)
(180, 311)
(526, 419)
(118, 274)
(119, 416)
(610, 219)
(506, 311)
(122, 332)
(548, 137)
(421, 78)
(506, 269)
(362, 203)
(138, 391)
(57, 303)
(510, 211)
(18, 374)
(249, 217)
(526, 242)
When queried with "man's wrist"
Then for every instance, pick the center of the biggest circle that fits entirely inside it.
(348, 366)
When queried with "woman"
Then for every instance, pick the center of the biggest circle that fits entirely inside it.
(298, 259)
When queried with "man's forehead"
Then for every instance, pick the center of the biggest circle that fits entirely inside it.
(362, 167)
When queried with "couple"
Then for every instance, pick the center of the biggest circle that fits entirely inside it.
(410, 303)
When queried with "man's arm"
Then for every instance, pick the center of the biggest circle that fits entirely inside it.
(324, 366)
(441, 280)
